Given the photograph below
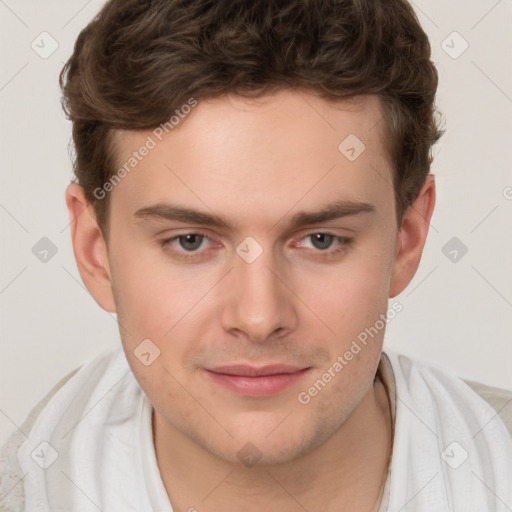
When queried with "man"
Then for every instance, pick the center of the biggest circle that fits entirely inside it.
(252, 188)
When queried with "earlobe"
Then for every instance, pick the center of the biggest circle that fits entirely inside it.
(412, 236)
(89, 248)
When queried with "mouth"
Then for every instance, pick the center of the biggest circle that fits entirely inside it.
(252, 381)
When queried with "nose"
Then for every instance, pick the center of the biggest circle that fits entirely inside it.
(258, 302)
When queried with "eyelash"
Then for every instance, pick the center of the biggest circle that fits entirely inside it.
(344, 242)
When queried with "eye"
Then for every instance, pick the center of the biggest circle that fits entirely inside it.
(326, 243)
(193, 246)
(186, 246)
(190, 242)
(321, 241)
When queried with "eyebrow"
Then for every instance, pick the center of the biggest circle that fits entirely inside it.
(332, 211)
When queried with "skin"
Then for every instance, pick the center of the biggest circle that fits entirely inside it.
(257, 163)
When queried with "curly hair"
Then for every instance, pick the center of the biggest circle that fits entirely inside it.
(139, 60)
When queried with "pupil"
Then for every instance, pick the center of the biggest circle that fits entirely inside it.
(187, 241)
(321, 240)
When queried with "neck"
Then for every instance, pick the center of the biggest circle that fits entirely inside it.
(345, 473)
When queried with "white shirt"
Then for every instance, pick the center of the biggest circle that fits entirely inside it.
(91, 446)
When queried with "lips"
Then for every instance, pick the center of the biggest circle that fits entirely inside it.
(250, 371)
(256, 381)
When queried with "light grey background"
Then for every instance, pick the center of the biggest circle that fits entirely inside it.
(456, 315)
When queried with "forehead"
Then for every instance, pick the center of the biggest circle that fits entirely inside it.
(241, 155)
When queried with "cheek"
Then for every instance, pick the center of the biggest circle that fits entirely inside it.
(353, 293)
(163, 303)
(143, 302)
(152, 294)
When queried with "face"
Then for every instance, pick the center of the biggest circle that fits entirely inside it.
(248, 237)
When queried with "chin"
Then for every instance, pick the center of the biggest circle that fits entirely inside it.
(258, 445)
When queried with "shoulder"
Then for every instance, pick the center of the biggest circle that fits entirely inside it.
(499, 399)
(73, 387)
(11, 476)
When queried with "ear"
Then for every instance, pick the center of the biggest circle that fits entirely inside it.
(412, 236)
(89, 248)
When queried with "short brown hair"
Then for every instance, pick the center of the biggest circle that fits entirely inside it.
(139, 60)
